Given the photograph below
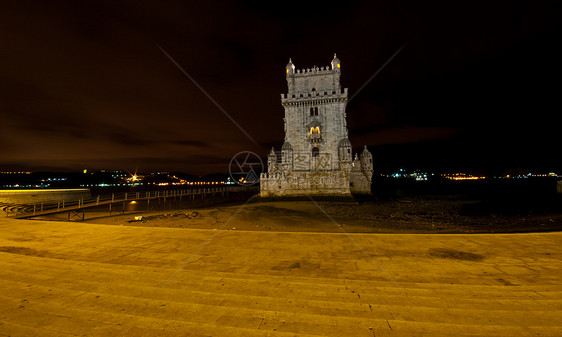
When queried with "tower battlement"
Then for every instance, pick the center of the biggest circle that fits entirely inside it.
(312, 71)
(309, 82)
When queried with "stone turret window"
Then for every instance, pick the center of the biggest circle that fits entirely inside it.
(314, 111)
(315, 152)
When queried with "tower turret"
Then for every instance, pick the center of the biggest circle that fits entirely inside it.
(344, 150)
(290, 68)
(366, 160)
(336, 65)
(367, 164)
(272, 161)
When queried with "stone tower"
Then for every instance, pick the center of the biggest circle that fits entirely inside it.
(316, 156)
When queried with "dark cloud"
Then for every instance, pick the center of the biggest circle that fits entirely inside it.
(129, 139)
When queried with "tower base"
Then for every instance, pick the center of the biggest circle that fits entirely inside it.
(304, 183)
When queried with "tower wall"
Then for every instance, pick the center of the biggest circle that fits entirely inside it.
(330, 120)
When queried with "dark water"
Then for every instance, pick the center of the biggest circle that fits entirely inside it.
(495, 196)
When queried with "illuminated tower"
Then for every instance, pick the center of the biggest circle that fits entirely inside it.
(316, 156)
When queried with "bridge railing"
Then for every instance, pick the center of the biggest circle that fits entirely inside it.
(39, 207)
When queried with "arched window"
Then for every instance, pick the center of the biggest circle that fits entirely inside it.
(315, 152)
(316, 111)
(312, 111)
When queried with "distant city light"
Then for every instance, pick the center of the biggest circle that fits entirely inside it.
(462, 176)
(417, 175)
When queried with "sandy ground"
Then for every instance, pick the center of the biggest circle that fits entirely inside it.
(83, 279)
(422, 215)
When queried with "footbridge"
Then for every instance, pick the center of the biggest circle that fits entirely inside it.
(77, 208)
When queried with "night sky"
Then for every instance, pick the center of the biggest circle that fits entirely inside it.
(85, 84)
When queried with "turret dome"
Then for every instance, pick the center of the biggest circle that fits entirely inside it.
(286, 147)
(345, 143)
(365, 152)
